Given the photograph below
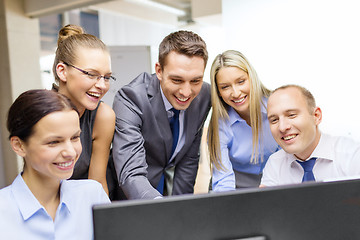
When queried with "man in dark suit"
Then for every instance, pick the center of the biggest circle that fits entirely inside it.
(147, 164)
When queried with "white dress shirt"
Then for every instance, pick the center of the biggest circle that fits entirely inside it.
(338, 158)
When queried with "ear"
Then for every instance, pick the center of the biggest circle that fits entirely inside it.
(18, 146)
(61, 71)
(158, 71)
(317, 115)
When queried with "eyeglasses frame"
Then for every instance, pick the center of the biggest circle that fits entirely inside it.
(98, 77)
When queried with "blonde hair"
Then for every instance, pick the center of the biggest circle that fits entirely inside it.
(71, 38)
(232, 58)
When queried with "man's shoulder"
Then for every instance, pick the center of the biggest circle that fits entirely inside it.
(204, 96)
(342, 143)
(201, 105)
(144, 86)
(143, 80)
(205, 89)
(280, 155)
(338, 141)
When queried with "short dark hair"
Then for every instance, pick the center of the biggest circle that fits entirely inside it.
(30, 107)
(183, 42)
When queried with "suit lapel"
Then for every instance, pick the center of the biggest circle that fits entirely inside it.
(160, 114)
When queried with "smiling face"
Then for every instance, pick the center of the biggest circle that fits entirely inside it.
(84, 92)
(234, 88)
(53, 148)
(181, 79)
(293, 125)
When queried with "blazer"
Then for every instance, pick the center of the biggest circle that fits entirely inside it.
(143, 139)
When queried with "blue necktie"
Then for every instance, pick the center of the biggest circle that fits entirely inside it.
(174, 126)
(308, 167)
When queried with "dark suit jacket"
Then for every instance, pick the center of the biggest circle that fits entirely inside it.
(143, 140)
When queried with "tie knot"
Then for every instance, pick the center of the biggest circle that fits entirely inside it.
(307, 165)
(176, 112)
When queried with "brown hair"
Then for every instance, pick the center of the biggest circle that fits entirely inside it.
(71, 38)
(183, 42)
(30, 107)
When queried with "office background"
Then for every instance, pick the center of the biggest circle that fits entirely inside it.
(312, 43)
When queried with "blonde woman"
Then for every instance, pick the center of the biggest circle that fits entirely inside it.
(240, 140)
(82, 70)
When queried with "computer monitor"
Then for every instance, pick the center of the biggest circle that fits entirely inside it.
(328, 211)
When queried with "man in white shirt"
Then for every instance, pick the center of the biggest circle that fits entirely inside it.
(294, 122)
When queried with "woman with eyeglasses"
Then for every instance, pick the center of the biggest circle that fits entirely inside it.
(82, 72)
(41, 203)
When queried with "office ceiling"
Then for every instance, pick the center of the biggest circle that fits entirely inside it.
(180, 4)
(38, 8)
(184, 5)
(164, 11)
(50, 22)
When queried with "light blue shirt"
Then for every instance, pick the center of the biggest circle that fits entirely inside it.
(236, 149)
(23, 217)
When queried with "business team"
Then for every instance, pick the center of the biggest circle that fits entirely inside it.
(257, 136)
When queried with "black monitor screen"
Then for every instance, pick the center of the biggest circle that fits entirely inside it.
(300, 212)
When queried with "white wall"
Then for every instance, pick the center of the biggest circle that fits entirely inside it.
(19, 51)
(311, 43)
(120, 30)
(315, 44)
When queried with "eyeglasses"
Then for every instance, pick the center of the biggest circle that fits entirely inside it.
(92, 75)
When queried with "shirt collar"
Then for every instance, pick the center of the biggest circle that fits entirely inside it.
(167, 104)
(27, 202)
(235, 117)
(322, 150)
(66, 198)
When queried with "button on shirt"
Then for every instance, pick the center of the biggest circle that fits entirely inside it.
(236, 149)
(23, 217)
(338, 158)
